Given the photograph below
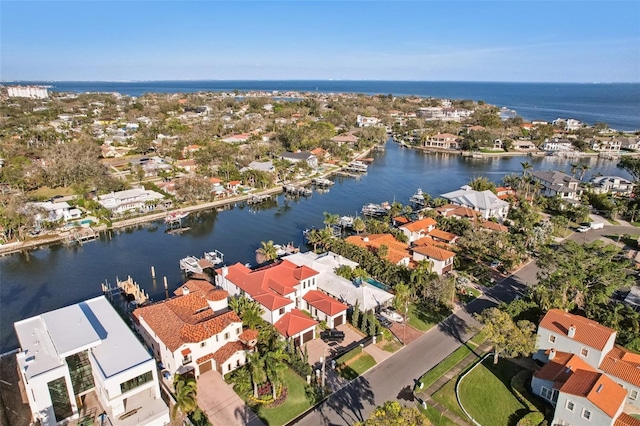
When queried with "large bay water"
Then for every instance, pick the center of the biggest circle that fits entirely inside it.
(617, 104)
(51, 277)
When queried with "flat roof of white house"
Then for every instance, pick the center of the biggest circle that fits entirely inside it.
(367, 296)
(94, 324)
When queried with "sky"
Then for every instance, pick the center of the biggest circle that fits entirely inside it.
(519, 41)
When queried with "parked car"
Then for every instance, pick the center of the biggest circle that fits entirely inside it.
(583, 228)
(332, 335)
(495, 263)
(391, 315)
(383, 321)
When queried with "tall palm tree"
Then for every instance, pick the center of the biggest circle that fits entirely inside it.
(574, 167)
(252, 314)
(359, 225)
(256, 370)
(331, 219)
(274, 363)
(186, 392)
(583, 169)
(526, 166)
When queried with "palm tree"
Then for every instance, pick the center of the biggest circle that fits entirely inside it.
(331, 219)
(186, 391)
(274, 363)
(256, 370)
(268, 250)
(583, 169)
(401, 301)
(526, 166)
(574, 167)
(359, 225)
(252, 314)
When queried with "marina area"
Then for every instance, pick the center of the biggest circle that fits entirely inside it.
(36, 281)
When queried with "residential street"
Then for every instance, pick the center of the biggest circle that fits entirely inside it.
(393, 379)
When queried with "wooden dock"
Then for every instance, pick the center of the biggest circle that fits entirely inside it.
(124, 293)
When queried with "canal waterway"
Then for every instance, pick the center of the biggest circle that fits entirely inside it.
(51, 277)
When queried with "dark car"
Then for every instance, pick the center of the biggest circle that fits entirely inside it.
(332, 335)
(383, 321)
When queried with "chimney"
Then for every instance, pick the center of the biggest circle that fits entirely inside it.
(225, 271)
(572, 331)
(552, 354)
(185, 290)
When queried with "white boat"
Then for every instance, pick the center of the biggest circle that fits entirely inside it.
(374, 209)
(417, 198)
(175, 216)
(190, 264)
(357, 166)
(322, 182)
(346, 221)
(214, 257)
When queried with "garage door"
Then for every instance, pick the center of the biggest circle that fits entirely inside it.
(308, 336)
(207, 366)
(338, 321)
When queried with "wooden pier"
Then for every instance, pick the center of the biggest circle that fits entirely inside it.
(126, 295)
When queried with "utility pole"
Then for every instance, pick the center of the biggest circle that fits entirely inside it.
(324, 362)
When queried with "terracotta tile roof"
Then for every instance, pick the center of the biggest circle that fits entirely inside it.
(397, 250)
(621, 363)
(434, 252)
(269, 285)
(227, 351)
(401, 219)
(600, 390)
(248, 335)
(588, 332)
(205, 358)
(626, 420)
(204, 288)
(294, 322)
(324, 303)
(562, 367)
(442, 235)
(420, 225)
(449, 210)
(487, 224)
(184, 319)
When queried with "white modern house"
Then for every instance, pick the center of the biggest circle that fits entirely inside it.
(558, 184)
(368, 297)
(485, 202)
(83, 349)
(130, 199)
(612, 184)
(588, 379)
(58, 211)
(303, 156)
(195, 331)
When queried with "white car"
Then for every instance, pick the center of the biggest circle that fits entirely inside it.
(391, 315)
(583, 228)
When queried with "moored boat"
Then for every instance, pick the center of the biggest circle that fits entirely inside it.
(214, 257)
(417, 198)
(175, 216)
(190, 264)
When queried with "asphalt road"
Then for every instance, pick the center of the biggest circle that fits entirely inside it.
(394, 378)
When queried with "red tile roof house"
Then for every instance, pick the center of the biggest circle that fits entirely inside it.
(418, 229)
(440, 258)
(284, 289)
(195, 330)
(586, 377)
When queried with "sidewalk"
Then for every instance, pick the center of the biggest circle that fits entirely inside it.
(426, 394)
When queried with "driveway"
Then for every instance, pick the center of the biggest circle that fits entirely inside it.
(221, 404)
(318, 348)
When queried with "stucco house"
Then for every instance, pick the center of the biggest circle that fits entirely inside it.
(558, 183)
(130, 199)
(486, 203)
(83, 349)
(442, 141)
(195, 330)
(296, 157)
(585, 376)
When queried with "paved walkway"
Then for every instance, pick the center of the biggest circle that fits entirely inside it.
(377, 353)
(426, 394)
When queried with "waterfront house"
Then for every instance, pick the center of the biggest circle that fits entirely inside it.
(85, 350)
(520, 145)
(486, 203)
(262, 166)
(397, 252)
(585, 376)
(280, 288)
(368, 296)
(431, 113)
(418, 229)
(345, 138)
(612, 184)
(194, 331)
(608, 145)
(296, 157)
(558, 184)
(58, 211)
(558, 145)
(131, 199)
(629, 143)
(442, 141)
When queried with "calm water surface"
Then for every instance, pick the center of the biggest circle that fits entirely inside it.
(55, 276)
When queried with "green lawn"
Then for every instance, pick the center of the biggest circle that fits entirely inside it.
(423, 317)
(447, 398)
(295, 404)
(447, 364)
(357, 367)
(44, 193)
(436, 417)
(486, 394)
(470, 294)
(479, 338)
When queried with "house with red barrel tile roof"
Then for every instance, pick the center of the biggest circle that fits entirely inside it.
(195, 330)
(419, 228)
(588, 379)
(397, 252)
(283, 290)
(440, 258)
